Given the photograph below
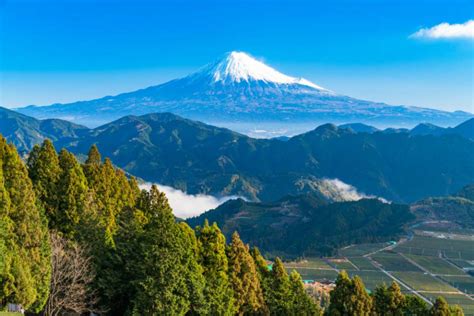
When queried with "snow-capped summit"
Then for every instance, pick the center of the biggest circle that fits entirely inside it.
(241, 92)
(241, 67)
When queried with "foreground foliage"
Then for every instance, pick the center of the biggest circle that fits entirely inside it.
(117, 250)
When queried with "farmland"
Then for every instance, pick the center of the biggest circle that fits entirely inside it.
(427, 264)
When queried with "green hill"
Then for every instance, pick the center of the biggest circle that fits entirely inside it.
(24, 131)
(306, 225)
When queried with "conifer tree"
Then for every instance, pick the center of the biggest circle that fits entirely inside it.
(340, 297)
(212, 257)
(160, 263)
(280, 300)
(25, 267)
(440, 308)
(265, 278)
(350, 297)
(193, 273)
(92, 165)
(244, 279)
(456, 310)
(389, 301)
(302, 304)
(44, 172)
(415, 306)
(72, 193)
(361, 302)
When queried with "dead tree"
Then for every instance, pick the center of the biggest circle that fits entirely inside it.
(71, 278)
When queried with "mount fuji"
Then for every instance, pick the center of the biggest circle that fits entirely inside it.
(244, 94)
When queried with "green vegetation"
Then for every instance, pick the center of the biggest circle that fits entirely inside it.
(199, 158)
(428, 246)
(145, 262)
(423, 282)
(391, 261)
(464, 283)
(436, 265)
(24, 131)
(25, 256)
(362, 263)
(314, 227)
(361, 249)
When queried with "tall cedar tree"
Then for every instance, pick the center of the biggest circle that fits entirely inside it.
(72, 193)
(44, 172)
(212, 257)
(389, 301)
(302, 304)
(280, 302)
(25, 265)
(163, 267)
(442, 308)
(415, 306)
(349, 297)
(244, 279)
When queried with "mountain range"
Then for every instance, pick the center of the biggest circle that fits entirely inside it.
(200, 158)
(242, 93)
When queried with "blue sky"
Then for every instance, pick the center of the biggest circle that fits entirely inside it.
(69, 50)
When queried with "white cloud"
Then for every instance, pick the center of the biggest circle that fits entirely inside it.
(447, 31)
(347, 192)
(188, 205)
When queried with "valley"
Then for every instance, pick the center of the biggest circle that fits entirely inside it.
(424, 266)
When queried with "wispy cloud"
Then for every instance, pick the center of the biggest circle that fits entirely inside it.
(447, 31)
(188, 205)
(346, 192)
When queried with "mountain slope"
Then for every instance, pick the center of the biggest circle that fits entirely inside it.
(24, 131)
(240, 92)
(306, 226)
(199, 158)
(457, 208)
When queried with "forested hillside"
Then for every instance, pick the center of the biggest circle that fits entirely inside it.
(199, 158)
(304, 226)
(79, 238)
(116, 250)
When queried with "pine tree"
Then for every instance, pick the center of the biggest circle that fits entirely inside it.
(92, 165)
(25, 268)
(456, 310)
(440, 308)
(280, 301)
(415, 306)
(244, 279)
(212, 257)
(160, 263)
(44, 172)
(265, 278)
(350, 297)
(302, 304)
(72, 193)
(361, 302)
(389, 301)
(340, 296)
(193, 272)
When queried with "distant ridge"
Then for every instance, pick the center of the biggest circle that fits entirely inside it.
(242, 93)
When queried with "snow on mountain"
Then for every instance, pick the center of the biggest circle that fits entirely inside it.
(242, 93)
(239, 66)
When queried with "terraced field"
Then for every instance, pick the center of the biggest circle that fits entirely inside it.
(436, 265)
(459, 299)
(424, 282)
(463, 283)
(429, 266)
(362, 263)
(428, 246)
(392, 261)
